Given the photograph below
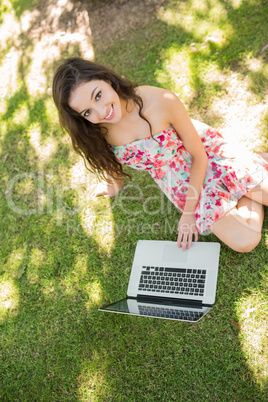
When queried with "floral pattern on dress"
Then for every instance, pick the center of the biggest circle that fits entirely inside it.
(231, 172)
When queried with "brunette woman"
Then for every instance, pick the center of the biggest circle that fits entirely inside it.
(113, 122)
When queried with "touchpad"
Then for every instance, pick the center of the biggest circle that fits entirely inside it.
(172, 253)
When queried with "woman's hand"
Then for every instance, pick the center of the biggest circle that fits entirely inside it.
(107, 189)
(187, 228)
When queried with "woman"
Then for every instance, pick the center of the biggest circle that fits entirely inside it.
(113, 122)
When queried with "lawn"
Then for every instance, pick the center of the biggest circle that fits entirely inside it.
(63, 254)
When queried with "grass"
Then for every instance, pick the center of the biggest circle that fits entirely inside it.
(64, 255)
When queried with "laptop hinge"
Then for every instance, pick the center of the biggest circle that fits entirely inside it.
(169, 300)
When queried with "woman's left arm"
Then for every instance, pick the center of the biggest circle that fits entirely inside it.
(181, 121)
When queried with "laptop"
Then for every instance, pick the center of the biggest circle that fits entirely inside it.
(168, 283)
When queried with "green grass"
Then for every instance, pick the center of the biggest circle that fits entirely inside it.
(64, 255)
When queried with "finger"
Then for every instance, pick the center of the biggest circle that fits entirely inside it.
(183, 235)
(189, 240)
(184, 242)
(180, 234)
(194, 232)
(94, 192)
(179, 239)
(97, 193)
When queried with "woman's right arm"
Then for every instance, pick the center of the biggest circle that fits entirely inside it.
(109, 188)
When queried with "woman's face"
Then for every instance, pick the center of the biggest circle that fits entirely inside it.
(97, 102)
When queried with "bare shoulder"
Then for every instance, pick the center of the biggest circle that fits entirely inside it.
(153, 94)
(158, 102)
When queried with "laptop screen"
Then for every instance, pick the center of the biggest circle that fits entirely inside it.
(157, 310)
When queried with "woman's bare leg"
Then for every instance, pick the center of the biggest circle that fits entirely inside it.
(259, 193)
(240, 228)
(264, 155)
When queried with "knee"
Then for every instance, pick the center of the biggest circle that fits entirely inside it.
(247, 244)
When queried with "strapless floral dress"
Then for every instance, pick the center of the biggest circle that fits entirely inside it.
(231, 171)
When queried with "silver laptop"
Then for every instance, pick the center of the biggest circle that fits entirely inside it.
(169, 283)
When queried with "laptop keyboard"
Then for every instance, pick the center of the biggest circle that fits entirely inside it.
(163, 312)
(180, 281)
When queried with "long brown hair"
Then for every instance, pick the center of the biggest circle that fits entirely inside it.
(88, 139)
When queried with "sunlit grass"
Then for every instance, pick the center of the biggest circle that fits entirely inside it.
(90, 382)
(235, 3)
(205, 21)
(175, 71)
(36, 260)
(75, 253)
(21, 115)
(45, 150)
(9, 297)
(103, 231)
(14, 262)
(94, 290)
(252, 313)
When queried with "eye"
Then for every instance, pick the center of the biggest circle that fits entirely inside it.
(98, 96)
(87, 113)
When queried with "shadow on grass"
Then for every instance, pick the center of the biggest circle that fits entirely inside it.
(58, 345)
(145, 57)
(55, 343)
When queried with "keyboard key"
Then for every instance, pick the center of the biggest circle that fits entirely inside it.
(175, 269)
(172, 280)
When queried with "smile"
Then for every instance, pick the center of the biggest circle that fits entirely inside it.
(110, 115)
